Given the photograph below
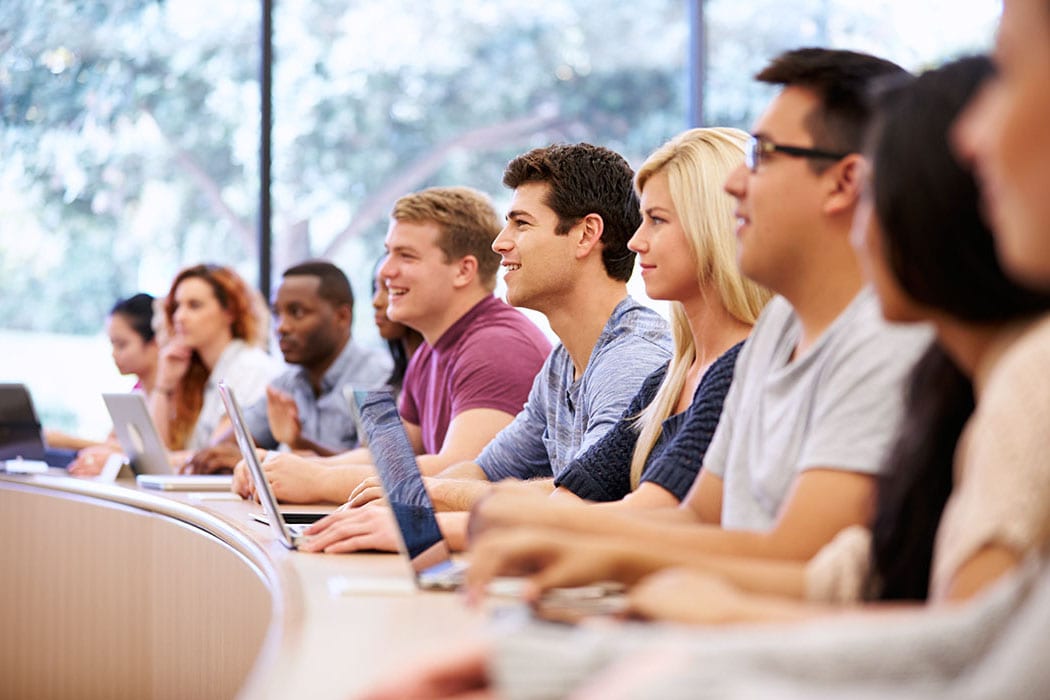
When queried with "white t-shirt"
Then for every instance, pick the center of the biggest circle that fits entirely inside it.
(836, 407)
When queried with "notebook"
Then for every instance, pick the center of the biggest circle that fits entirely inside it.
(145, 450)
(21, 437)
(379, 426)
(287, 534)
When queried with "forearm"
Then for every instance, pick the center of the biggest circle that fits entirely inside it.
(454, 529)
(361, 455)
(337, 482)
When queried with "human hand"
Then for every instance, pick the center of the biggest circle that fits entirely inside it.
(90, 460)
(687, 596)
(172, 363)
(370, 490)
(346, 530)
(460, 673)
(283, 415)
(221, 458)
(546, 558)
(294, 479)
(242, 483)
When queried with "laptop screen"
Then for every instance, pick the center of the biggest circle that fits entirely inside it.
(395, 462)
(20, 434)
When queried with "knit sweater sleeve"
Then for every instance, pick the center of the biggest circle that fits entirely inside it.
(680, 456)
(603, 472)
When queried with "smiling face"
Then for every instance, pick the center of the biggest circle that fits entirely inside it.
(778, 207)
(198, 318)
(310, 329)
(668, 265)
(420, 280)
(1006, 133)
(539, 262)
(131, 354)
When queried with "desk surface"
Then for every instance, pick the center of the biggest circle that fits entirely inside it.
(325, 643)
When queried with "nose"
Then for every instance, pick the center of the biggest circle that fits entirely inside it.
(736, 183)
(385, 272)
(502, 243)
(971, 126)
(638, 242)
(282, 324)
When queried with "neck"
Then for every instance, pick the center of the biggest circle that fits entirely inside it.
(713, 328)
(580, 316)
(823, 292)
(147, 379)
(316, 371)
(211, 352)
(432, 329)
(974, 347)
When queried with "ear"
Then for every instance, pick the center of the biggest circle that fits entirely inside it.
(590, 229)
(466, 271)
(845, 183)
(344, 315)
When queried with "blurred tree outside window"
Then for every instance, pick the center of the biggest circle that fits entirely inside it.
(129, 130)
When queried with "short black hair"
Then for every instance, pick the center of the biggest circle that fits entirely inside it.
(334, 287)
(585, 179)
(841, 80)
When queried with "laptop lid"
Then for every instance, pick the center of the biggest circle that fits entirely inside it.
(262, 487)
(375, 411)
(137, 435)
(20, 429)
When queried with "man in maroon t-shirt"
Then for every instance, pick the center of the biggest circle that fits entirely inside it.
(472, 374)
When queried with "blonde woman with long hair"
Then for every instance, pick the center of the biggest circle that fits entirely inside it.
(686, 249)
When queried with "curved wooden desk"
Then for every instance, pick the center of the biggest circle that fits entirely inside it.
(107, 591)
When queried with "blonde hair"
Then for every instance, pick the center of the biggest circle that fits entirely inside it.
(468, 222)
(697, 164)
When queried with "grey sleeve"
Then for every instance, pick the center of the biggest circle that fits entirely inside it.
(259, 425)
(518, 451)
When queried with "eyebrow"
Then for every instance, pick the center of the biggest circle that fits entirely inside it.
(519, 213)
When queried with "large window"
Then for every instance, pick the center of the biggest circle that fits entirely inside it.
(129, 130)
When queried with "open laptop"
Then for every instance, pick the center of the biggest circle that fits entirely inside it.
(379, 425)
(288, 534)
(145, 450)
(21, 435)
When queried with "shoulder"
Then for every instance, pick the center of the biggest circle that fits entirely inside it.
(634, 324)
(1017, 380)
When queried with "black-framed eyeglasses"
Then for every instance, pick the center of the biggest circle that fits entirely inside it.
(759, 148)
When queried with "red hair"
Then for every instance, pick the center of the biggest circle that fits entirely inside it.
(241, 301)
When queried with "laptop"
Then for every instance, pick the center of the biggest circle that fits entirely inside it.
(288, 534)
(145, 450)
(21, 435)
(379, 426)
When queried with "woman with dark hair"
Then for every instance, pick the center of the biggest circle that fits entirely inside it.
(129, 326)
(400, 339)
(216, 329)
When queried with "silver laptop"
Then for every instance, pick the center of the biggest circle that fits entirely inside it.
(21, 437)
(145, 450)
(290, 535)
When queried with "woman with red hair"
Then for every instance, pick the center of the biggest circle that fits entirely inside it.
(216, 328)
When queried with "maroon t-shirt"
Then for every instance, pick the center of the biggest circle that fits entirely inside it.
(486, 359)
